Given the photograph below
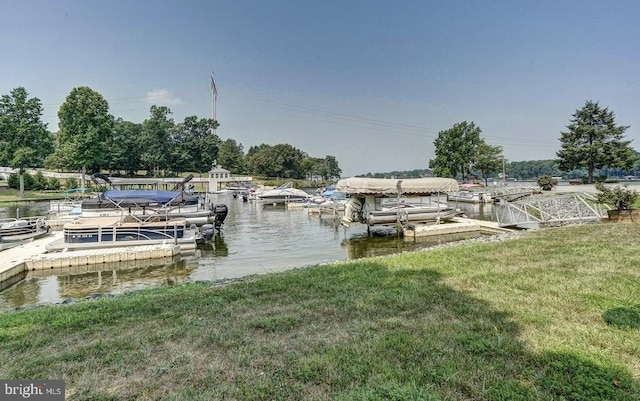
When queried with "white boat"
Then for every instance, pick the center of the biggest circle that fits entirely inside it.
(109, 232)
(411, 213)
(283, 194)
(469, 196)
(24, 229)
(71, 203)
(376, 201)
(147, 205)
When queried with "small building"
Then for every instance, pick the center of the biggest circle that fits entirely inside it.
(220, 178)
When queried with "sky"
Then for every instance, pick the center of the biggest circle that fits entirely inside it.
(369, 82)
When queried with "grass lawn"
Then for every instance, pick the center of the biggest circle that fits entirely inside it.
(551, 315)
(10, 195)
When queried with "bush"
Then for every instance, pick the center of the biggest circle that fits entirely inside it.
(71, 183)
(39, 182)
(621, 198)
(546, 182)
(53, 183)
(14, 181)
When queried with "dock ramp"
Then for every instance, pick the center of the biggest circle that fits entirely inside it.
(537, 211)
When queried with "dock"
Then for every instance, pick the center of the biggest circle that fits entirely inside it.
(456, 225)
(32, 256)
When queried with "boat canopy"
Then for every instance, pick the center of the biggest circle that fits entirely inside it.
(389, 186)
(151, 195)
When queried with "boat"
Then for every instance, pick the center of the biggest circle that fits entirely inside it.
(379, 201)
(145, 204)
(283, 194)
(109, 232)
(469, 196)
(71, 203)
(23, 229)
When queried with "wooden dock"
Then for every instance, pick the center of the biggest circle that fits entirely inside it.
(32, 256)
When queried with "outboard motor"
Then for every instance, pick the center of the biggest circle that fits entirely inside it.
(207, 231)
(220, 211)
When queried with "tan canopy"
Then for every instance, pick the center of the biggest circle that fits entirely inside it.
(386, 186)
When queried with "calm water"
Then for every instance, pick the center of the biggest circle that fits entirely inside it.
(256, 239)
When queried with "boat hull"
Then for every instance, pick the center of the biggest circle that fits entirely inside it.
(108, 232)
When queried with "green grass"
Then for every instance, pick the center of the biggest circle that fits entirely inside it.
(552, 315)
(10, 195)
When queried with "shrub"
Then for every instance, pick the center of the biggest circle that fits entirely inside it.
(621, 198)
(39, 182)
(71, 183)
(53, 183)
(546, 182)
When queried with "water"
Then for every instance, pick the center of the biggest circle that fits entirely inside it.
(256, 239)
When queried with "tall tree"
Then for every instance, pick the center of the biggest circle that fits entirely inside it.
(194, 145)
(24, 138)
(455, 150)
(231, 156)
(594, 141)
(489, 159)
(125, 147)
(156, 134)
(85, 126)
(330, 168)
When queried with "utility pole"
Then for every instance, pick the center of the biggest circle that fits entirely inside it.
(214, 100)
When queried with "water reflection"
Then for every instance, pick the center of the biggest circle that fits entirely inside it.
(256, 239)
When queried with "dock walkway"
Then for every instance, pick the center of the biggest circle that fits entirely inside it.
(32, 256)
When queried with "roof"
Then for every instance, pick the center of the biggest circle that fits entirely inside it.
(387, 186)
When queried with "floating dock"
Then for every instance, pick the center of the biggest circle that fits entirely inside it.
(32, 256)
(455, 225)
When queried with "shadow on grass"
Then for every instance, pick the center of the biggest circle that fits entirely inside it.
(341, 332)
(623, 317)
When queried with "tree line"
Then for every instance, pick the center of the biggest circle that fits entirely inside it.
(90, 139)
(592, 144)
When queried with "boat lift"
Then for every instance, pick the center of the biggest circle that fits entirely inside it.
(537, 211)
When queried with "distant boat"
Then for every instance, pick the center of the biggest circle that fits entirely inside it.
(470, 197)
(283, 194)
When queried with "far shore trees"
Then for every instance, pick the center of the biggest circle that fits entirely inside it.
(89, 139)
(24, 138)
(594, 141)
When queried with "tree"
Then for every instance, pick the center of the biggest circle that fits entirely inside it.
(489, 159)
(328, 168)
(156, 134)
(24, 138)
(231, 156)
(85, 127)
(278, 161)
(594, 141)
(125, 147)
(194, 145)
(455, 150)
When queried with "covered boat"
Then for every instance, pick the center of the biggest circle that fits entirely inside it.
(146, 204)
(369, 195)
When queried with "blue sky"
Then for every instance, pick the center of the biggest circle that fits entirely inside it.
(369, 82)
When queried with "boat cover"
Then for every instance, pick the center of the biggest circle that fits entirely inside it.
(151, 195)
(389, 186)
